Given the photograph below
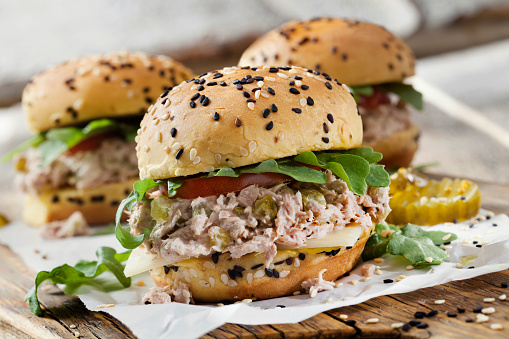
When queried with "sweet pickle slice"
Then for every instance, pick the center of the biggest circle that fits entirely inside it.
(422, 201)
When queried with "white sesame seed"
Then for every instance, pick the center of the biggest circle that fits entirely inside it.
(247, 301)
(72, 326)
(193, 87)
(281, 135)
(366, 278)
(130, 94)
(310, 74)
(270, 78)
(77, 334)
(446, 237)
(410, 267)
(343, 316)
(346, 87)
(489, 300)
(313, 293)
(338, 284)
(378, 260)
(209, 265)
(218, 158)
(257, 94)
(208, 168)
(296, 293)
(244, 152)
(397, 325)
(265, 95)
(78, 103)
(372, 321)
(329, 300)
(386, 233)
(446, 247)
(203, 283)
(497, 327)
(347, 298)
(159, 136)
(282, 75)
(193, 273)
(166, 150)
(429, 259)
(283, 274)
(146, 148)
(224, 279)
(156, 121)
(250, 105)
(249, 278)
(232, 283)
(230, 163)
(481, 318)
(186, 294)
(165, 116)
(167, 103)
(296, 262)
(402, 276)
(379, 272)
(303, 102)
(490, 214)
(353, 282)
(252, 146)
(176, 146)
(192, 153)
(502, 297)
(488, 310)
(212, 281)
(220, 304)
(259, 274)
(439, 302)
(260, 84)
(298, 83)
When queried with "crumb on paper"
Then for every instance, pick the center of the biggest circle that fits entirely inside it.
(368, 270)
(315, 285)
(176, 291)
(75, 225)
(105, 305)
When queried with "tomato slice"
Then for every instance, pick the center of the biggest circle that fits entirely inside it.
(89, 144)
(376, 99)
(206, 187)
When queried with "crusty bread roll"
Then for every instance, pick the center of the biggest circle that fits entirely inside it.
(356, 53)
(210, 282)
(98, 205)
(99, 86)
(237, 117)
(399, 148)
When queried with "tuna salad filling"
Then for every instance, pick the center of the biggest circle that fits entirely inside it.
(255, 219)
(383, 121)
(113, 161)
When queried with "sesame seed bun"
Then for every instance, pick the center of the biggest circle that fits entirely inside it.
(99, 86)
(98, 205)
(214, 122)
(210, 282)
(356, 53)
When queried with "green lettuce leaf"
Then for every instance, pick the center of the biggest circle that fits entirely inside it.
(34, 141)
(82, 272)
(409, 241)
(405, 92)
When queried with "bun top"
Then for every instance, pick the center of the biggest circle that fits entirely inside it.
(356, 53)
(237, 117)
(99, 86)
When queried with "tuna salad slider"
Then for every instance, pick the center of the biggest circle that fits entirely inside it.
(370, 60)
(252, 183)
(86, 113)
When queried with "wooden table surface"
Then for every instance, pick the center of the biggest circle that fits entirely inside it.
(62, 311)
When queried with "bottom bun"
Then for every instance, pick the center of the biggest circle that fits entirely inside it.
(98, 205)
(209, 282)
(399, 148)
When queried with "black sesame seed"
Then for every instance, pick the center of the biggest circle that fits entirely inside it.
(173, 132)
(478, 246)
(273, 70)
(456, 220)
(451, 315)
(281, 306)
(460, 310)
(249, 76)
(165, 100)
(291, 83)
(175, 268)
(348, 247)
(328, 85)
(201, 88)
(304, 87)
(238, 268)
(238, 123)
(335, 252)
(325, 127)
(202, 97)
(344, 56)
(326, 140)
(388, 281)
(166, 269)
(405, 327)
(266, 112)
(477, 309)
(239, 86)
(330, 117)
(310, 101)
(246, 94)
(106, 78)
(222, 83)
(213, 83)
(147, 302)
(423, 325)
(217, 75)
(255, 89)
(97, 198)
(432, 313)
(269, 272)
(503, 284)
(494, 225)
(243, 80)
(258, 78)
(250, 100)
(297, 110)
(250, 80)
(289, 261)
(273, 108)
(179, 153)
(469, 320)
(256, 266)
(414, 322)
(276, 273)
(165, 93)
(269, 126)
(206, 101)
(192, 104)
(148, 100)
(471, 267)
(236, 81)
(231, 274)
(302, 256)
(215, 257)
(271, 91)
(279, 263)
(216, 116)
(350, 322)
(294, 90)
(419, 315)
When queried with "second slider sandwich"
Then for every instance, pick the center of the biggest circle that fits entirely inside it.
(253, 183)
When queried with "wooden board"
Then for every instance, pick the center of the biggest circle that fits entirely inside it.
(16, 320)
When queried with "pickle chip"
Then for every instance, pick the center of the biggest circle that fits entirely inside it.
(422, 201)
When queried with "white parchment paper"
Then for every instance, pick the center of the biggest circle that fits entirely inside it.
(189, 321)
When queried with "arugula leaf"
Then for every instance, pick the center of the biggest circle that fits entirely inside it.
(82, 272)
(108, 229)
(378, 176)
(366, 91)
(410, 241)
(34, 141)
(366, 153)
(405, 92)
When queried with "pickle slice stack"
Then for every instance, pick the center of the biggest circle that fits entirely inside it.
(422, 201)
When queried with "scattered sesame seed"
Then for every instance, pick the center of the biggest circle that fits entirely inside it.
(451, 315)
(343, 316)
(481, 318)
(439, 302)
(313, 293)
(410, 267)
(379, 272)
(504, 284)
(489, 300)
(432, 313)
(372, 320)
(397, 325)
(77, 334)
(497, 327)
(72, 326)
(296, 293)
(388, 281)
(458, 265)
(347, 298)
(429, 259)
(378, 260)
(502, 297)
(173, 132)
(353, 282)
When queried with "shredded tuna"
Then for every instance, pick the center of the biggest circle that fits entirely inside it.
(368, 270)
(315, 285)
(114, 161)
(230, 223)
(73, 226)
(177, 291)
(383, 121)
